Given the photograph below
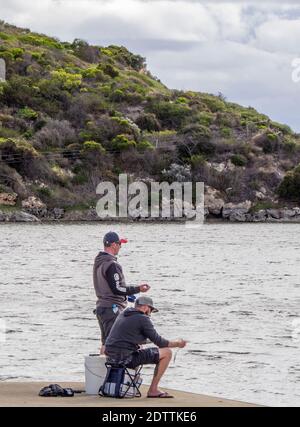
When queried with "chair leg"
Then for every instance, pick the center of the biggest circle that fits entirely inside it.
(133, 383)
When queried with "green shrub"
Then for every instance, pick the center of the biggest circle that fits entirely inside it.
(205, 118)
(80, 179)
(289, 145)
(197, 132)
(118, 96)
(181, 100)
(286, 130)
(239, 160)
(290, 186)
(39, 40)
(28, 114)
(252, 115)
(226, 132)
(17, 146)
(148, 122)
(262, 205)
(84, 51)
(44, 192)
(228, 119)
(7, 133)
(93, 146)
(11, 54)
(4, 36)
(145, 145)
(214, 103)
(67, 80)
(197, 160)
(196, 141)
(271, 143)
(126, 126)
(94, 73)
(122, 55)
(121, 143)
(170, 115)
(28, 134)
(110, 70)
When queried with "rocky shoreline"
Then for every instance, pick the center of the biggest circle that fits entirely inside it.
(216, 209)
(229, 215)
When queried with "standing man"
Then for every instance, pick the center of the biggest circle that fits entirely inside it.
(110, 286)
(132, 328)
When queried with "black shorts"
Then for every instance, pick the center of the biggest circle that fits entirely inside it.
(106, 318)
(148, 356)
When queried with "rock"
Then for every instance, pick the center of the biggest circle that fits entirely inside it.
(260, 196)
(83, 215)
(273, 213)
(287, 213)
(260, 216)
(213, 201)
(34, 206)
(33, 202)
(219, 167)
(236, 210)
(2, 216)
(8, 199)
(55, 214)
(263, 190)
(222, 167)
(238, 216)
(297, 211)
(21, 216)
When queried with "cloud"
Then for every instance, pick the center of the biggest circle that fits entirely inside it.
(279, 35)
(241, 48)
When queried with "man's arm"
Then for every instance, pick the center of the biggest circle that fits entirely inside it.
(116, 285)
(150, 333)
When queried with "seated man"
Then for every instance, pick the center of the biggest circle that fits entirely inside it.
(131, 329)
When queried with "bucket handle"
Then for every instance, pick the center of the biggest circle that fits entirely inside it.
(87, 368)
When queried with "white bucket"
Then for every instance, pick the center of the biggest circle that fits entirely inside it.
(95, 372)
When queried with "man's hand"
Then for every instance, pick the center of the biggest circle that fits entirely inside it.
(144, 288)
(181, 343)
(178, 343)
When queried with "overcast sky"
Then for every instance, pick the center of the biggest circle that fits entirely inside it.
(243, 49)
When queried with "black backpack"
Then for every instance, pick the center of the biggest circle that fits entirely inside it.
(112, 383)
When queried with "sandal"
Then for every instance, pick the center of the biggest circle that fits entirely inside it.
(163, 395)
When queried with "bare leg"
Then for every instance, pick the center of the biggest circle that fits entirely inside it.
(165, 355)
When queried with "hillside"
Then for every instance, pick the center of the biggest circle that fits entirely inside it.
(72, 114)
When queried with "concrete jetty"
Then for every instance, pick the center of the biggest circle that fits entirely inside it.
(25, 394)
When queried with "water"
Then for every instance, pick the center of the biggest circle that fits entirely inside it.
(232, 290)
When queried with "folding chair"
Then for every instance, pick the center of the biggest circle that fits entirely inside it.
(120, 382)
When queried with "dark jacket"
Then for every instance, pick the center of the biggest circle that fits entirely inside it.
(131, 329)
(109, 282)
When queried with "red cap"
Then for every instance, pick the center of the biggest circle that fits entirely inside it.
(122, 241)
